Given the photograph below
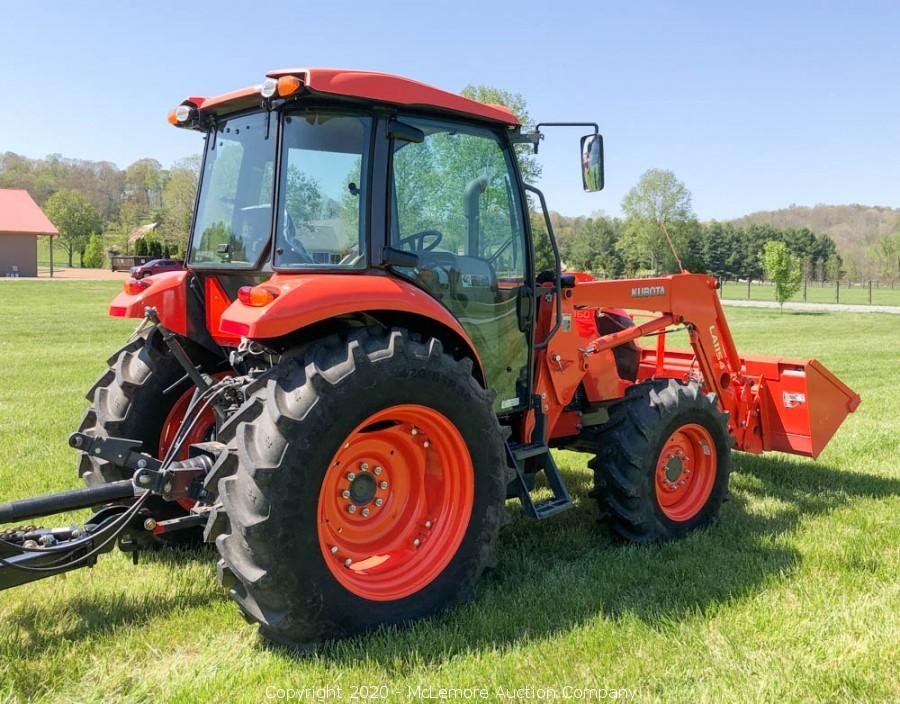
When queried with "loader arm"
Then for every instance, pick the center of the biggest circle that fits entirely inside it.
(772, 403)
(688, 299)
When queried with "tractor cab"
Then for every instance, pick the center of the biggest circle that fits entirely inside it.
(328, 173)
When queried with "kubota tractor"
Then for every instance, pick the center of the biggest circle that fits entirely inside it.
(361, 364)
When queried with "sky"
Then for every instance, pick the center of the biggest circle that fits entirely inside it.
(753, 105)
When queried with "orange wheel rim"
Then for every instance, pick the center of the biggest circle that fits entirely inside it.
(395, 502)
(204, 429)
(686, 472)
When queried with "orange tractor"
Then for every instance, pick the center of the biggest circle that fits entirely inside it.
(361, 364)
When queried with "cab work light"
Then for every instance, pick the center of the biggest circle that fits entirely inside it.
(288, 85)
(268, 88)
(280, 87)
(180, 115)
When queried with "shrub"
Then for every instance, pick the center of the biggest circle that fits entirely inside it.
(94, 256)
(783, 268)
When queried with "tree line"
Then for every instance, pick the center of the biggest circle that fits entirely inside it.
(658, 209)
(600, 245)
(867, 236)
(95, 205)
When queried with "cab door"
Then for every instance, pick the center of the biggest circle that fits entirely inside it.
(456, 205)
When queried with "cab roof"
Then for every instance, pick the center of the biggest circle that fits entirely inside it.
(363, 85)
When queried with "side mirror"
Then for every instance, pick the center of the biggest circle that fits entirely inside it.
(592, 162)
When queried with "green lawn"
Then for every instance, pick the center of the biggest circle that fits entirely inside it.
(882, 295)
(60, 258)
(794, 596)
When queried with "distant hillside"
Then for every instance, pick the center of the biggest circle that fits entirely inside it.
(852, 227)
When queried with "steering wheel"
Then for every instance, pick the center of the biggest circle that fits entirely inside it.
(417, 241)
(293, 242)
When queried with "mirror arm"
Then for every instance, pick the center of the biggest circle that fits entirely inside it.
(534, 138)
(594, 125)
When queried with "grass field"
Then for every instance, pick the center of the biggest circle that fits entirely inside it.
(60, 258)
(856, 294)
(794, 596)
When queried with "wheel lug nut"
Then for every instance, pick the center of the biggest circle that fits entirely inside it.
(426, 444)
(377, 470)
(351, 508)
(428, 524)
(334, 549)
(414, 431)
(417, 542)
(351, 476)
(348, 562)
(345, 493)
(383, 485)
(379, 502)
(365, 512)
(364, 466)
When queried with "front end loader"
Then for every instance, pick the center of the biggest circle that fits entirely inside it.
(362, 363)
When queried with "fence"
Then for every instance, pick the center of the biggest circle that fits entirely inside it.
(869, 292)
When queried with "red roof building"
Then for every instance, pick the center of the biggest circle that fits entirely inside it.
(21, 223)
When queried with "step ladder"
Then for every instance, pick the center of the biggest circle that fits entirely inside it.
(538, 452)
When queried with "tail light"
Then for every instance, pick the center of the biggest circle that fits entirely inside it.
(134, 286)
(257, 296)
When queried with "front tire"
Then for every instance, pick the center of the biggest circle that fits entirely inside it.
(664, 462)
(363, 485)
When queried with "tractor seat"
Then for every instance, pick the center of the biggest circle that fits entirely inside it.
(474, 279)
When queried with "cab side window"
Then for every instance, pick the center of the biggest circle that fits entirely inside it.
(455, 205)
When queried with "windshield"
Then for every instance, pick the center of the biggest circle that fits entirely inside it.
(323, 190)
(234, 212)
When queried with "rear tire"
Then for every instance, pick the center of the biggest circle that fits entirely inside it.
(664, 462)
(277, 528)
(130, 400)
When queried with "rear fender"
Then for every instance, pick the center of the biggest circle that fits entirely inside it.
(306, 299)
(166, 292)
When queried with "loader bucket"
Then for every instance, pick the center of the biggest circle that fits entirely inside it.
(802, 404)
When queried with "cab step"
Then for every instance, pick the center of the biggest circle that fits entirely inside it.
(538, 457)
